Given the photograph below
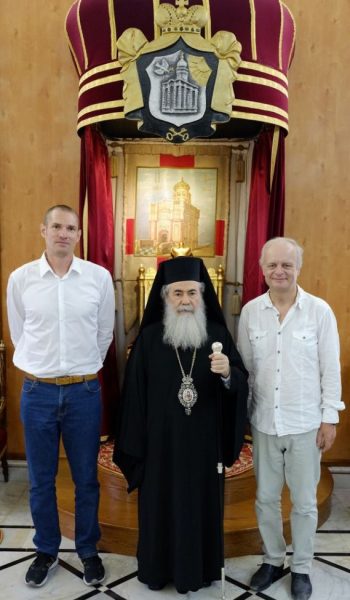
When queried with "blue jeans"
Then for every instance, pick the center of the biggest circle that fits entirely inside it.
(72, 412)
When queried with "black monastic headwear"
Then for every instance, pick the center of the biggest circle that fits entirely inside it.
(182, 268)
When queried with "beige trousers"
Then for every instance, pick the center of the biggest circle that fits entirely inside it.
(294, 460)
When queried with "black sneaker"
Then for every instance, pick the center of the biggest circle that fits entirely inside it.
(94, 571)
(38, 571)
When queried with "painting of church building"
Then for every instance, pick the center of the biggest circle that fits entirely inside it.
(175, 207)
(174, 222)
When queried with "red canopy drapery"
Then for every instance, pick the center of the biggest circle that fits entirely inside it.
(95, 188)
(266, 209)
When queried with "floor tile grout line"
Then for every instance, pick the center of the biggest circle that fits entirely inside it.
(320, 554)
(330, 564)
(16, 562)
(17, 526)
(237, 583)
(122, 579)
(335, 531)
(114, 595)
(21, 549)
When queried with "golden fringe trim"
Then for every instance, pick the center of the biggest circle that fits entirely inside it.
(263, 69)
(260, 106)
(262, 118)
(100, 118)
(101, 106)
(98, 82)
(253, 28)
(101, 69)
(86, 62)
(262, 81)
(113, 29)
(274, 149)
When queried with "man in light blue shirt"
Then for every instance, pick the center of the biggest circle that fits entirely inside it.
(289, 343)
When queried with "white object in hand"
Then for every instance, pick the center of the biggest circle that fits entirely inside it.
(216, 347)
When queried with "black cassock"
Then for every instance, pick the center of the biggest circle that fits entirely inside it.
(172, 457)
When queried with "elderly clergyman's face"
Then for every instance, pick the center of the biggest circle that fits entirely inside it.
(184, 296)
(185, 324)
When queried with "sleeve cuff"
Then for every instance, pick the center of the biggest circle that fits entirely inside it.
(226, 381)
(329, 415)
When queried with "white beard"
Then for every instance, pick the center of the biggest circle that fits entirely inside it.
(185, 329)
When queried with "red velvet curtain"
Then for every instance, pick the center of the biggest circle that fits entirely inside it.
(95, 186)
(266, 210)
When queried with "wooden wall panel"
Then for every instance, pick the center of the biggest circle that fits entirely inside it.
(39, 154)
(317, 168)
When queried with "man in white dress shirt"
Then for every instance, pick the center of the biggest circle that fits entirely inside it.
(61, 317)
(289, 343)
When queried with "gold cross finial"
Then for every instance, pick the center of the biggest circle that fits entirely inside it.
(181, 3)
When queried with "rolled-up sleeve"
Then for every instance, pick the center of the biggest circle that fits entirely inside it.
(329, 357)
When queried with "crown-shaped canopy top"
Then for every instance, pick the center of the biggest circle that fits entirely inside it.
(264, 28)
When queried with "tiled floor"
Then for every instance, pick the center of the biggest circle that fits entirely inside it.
(330, 575)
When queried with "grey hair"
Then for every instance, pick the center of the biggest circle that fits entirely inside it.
(165, 289)
(298, 250)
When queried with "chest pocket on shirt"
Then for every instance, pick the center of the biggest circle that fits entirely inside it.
(258, 340)
(305, 342)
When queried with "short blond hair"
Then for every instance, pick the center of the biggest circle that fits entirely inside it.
(63, 207)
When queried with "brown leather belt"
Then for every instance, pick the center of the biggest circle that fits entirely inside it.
(65, 380)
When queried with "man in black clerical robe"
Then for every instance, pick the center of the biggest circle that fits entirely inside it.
(183, 415)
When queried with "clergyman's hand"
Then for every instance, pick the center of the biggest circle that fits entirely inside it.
(219, 364)
(326, 436)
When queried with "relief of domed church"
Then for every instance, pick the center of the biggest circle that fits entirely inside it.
(178, 95)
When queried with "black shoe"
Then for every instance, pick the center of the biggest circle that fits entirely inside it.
(264, 576)
(155, 587)
(301, 587)
(94, 571)
(38, 571)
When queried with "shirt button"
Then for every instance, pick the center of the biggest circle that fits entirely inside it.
(278, 370)
(278, 351)
(279, 333)
(276, 389)
(276, 406)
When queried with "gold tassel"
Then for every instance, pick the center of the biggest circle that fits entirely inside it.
(240, 169)
(113, 164)
(236, 303)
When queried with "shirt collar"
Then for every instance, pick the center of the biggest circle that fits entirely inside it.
(301, 295)
(266, 300)
(44, 266)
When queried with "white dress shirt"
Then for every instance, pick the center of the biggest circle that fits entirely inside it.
(60, 325)
(294, 367)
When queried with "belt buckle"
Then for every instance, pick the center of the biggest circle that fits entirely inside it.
(65, 380)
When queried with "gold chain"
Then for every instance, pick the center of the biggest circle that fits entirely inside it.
(193, 359)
